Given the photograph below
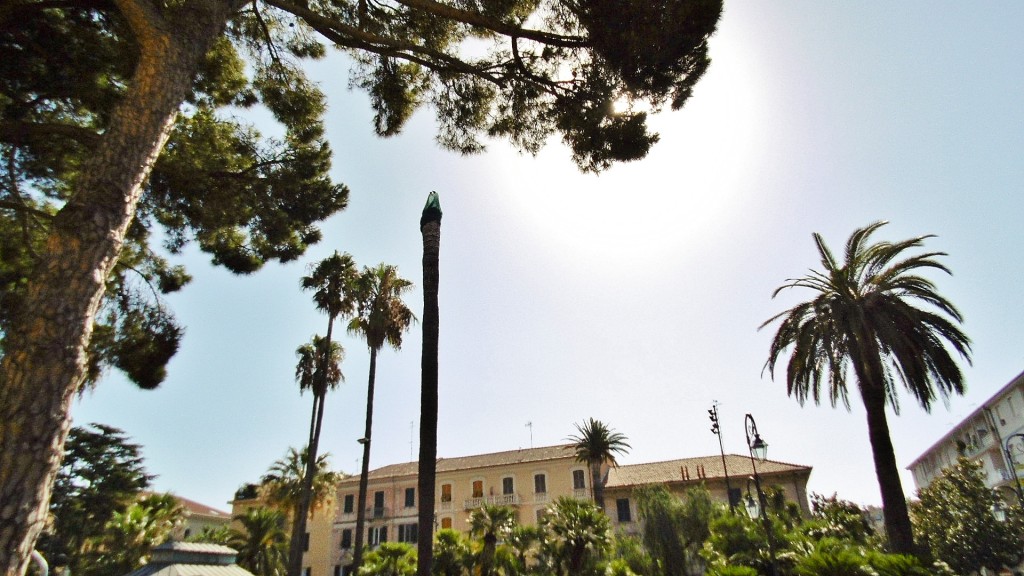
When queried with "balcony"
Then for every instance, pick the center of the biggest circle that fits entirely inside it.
(445, 506)
(581, 494)
(499, 500)
(378, 512)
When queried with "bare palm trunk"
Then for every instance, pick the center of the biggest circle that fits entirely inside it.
(364, 474)
(894, 503)
(430, 228)
(45, 346)
(597, 484)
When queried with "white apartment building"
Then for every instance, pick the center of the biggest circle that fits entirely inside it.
(992, 435)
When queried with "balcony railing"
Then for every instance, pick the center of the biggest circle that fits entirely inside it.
(499, 500)
(378, 512)
(581, 494)
(445, 506)
(540, 497)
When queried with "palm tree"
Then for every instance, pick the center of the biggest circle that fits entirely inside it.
(332, 282)
(382, 318)
(452, 554)
(596, 445)
(578, 536)
(390, 559)
(430, 229)
(863, 318)
(131, 534)
(261, 542)
(490, 523)
(284, 486)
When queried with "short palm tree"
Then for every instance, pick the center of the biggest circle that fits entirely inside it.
(596, 445)
(490, 524)
(284, 484)
(578, 536)
(452, 553)
(261, 543)
(390, 559)
(863, 318)
(382, 318)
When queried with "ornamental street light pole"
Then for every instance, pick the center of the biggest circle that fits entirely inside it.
(1013, 466)
(758, 448)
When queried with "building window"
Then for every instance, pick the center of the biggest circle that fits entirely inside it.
(408, 533)
(478, 488)
(446, 522)
(378, 504)
(540, 483)
(346, 538)
(540, 514)
(350, 503)
(337, 570)
(579, 480)
(305, 542)
(307, 571)
(622, 507)
(507, 485)
(446, 492)
(410, 497)
(378, 535)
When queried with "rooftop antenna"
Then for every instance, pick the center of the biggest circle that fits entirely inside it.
(530, 426)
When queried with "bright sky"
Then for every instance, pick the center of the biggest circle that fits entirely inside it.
(634, 297)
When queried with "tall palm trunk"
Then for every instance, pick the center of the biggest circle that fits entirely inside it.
(364, 474)
(297, 544)
(430, 228)
(894, 503)
(597, 484)
(44, 356)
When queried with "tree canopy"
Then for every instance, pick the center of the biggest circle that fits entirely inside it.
(101, 475)
(118, 125)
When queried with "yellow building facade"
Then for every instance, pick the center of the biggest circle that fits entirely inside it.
(529, 480)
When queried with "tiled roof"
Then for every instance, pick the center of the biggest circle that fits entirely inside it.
(506, 458)
(695, 469)
(195, 508)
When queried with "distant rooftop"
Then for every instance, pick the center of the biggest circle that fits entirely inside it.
(681, 470)
(506, 458)
(192, 559)
(696, 469)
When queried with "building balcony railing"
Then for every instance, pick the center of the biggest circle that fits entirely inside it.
(378, 512)
(581, 494)
(540, 498)
(445, 506)
(499, 500)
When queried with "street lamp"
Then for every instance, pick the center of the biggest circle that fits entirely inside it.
(758, 448)
(1013, 466)
(998, 509)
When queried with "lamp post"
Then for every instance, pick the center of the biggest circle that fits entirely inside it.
(1013, 466)
(758, 448)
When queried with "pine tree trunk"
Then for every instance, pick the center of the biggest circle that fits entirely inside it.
(364, 475)
(44, 350)
(430, 228)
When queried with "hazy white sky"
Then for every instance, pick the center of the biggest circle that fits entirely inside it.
(634, 297)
